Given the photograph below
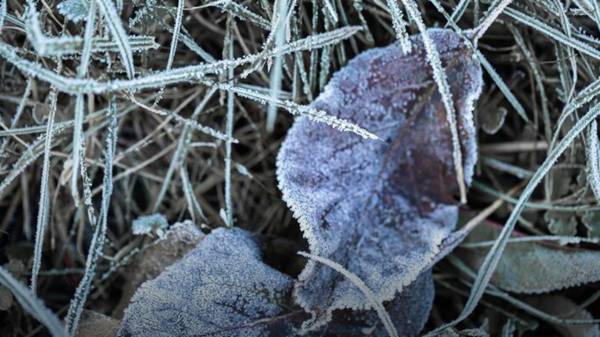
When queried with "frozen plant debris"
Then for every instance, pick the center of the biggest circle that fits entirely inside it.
(381, 209)
(149, 224)
(221, 288)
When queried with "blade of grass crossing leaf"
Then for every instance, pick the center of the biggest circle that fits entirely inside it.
(115, 25)
(439, 76)
(486, 65)
(97, 243)
(360, 284)
(44, 204)
(297, 109)
(399, 25)
(493, 257)
(32, 304)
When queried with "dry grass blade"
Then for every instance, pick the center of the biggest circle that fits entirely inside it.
(381, 312)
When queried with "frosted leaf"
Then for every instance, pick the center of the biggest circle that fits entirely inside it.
(221, 288)
(74, 10)
(380, 208)
(525, 266)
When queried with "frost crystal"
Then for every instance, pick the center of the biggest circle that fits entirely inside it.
(221, 288)
(380, 208)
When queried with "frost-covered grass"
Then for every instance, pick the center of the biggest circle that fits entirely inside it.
(111, 110)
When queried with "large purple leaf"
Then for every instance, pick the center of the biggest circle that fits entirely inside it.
(380, 208)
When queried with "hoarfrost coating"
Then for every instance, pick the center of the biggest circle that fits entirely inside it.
(380, 208)
(220, 288)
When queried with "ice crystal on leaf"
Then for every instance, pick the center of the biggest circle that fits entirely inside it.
(380, 208)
